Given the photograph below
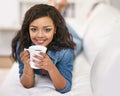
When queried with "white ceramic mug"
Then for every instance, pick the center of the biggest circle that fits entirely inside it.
(35, 50)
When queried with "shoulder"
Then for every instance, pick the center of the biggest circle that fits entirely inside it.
(61, 52)
(64, 53)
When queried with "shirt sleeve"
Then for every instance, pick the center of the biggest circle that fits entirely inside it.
(65, 66)
(76, 39)
(21, 65)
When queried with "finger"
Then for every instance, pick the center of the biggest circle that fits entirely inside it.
(39, 62)
(38, 57)
(41, 58)
(36, 61)
(43, 54)
(28, 61)
(41, 65)
(25, 56)
(24, 53)
(38, 65)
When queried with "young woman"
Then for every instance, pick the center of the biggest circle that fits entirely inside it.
(44, 25)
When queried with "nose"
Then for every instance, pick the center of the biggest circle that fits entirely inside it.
(40, 34)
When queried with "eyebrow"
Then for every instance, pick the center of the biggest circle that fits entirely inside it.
(32, 26)
(48, 26)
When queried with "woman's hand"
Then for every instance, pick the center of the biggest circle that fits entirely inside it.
(44, 62)
(25, 57)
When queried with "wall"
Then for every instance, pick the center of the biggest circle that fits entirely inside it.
(9, 14)
(9, 23)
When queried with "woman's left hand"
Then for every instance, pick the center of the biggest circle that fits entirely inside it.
(44, 62)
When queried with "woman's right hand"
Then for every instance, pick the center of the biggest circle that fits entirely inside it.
(25, 57)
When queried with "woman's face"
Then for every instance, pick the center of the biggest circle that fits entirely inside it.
(42, 31)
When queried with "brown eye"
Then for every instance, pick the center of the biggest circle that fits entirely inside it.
(33, 29)
(47, 29)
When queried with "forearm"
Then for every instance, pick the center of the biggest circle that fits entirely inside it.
(27, 79)
(58, 80)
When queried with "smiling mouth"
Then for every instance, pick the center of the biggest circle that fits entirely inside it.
(40, 41)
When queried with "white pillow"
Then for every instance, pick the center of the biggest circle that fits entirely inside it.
(104, 21)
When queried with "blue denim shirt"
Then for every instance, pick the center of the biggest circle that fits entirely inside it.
(63, 60)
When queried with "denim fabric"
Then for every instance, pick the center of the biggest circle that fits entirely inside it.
(76, 39)
(63, 60)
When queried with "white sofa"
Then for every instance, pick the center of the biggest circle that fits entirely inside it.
(102, 50)
(96, 69)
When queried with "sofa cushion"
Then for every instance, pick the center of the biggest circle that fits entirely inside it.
(103, 21)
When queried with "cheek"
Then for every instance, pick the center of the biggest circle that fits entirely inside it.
(50, 37)
(32, 36)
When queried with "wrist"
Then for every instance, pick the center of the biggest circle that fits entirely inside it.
(28, 72)
(28, 75)
(53, 70)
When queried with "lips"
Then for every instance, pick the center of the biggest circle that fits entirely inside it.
(40, 42)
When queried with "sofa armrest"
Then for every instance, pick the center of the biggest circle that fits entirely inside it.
(105, 79)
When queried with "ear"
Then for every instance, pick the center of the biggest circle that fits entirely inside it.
(55, 31)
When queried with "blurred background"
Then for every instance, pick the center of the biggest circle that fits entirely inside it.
(11, 16)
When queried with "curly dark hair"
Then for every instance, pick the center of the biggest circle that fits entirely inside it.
(61, 40)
